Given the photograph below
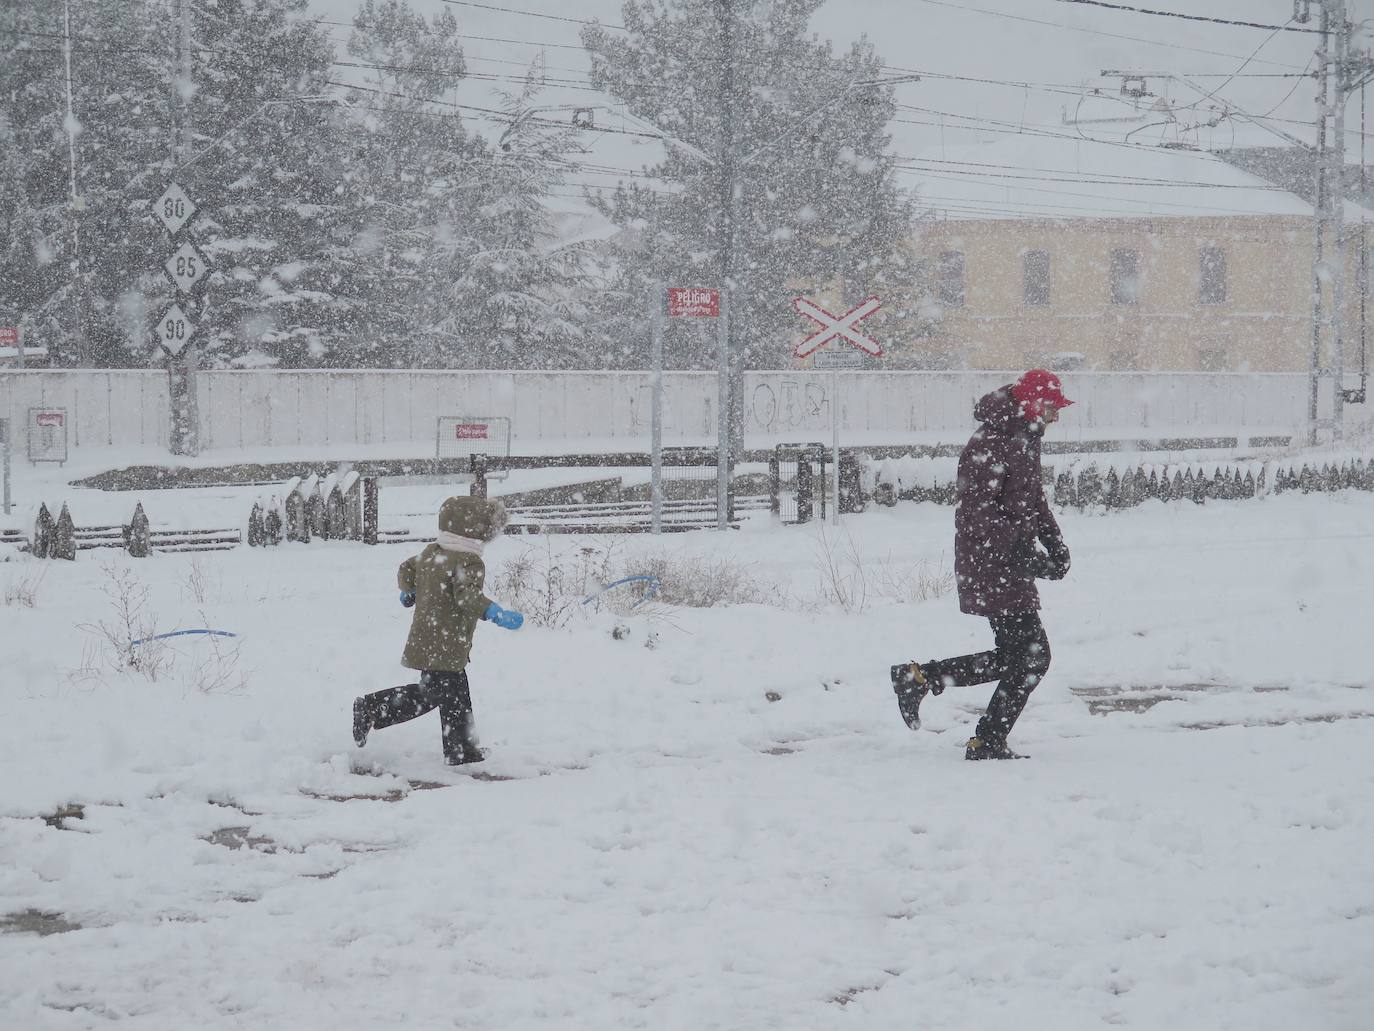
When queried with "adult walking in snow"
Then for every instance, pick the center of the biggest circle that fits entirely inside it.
(1000, 514)
(444, 585)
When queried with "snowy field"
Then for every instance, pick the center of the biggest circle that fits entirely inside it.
(1187, 848)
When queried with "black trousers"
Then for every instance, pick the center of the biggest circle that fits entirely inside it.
(1018, 663)
(441, 689)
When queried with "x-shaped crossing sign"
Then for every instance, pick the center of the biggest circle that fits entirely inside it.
(833, 326)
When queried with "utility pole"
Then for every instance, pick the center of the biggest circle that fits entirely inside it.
(729, 199)
(74, 199)
(1339, 72)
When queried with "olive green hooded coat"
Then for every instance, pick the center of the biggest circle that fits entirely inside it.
(447, 585)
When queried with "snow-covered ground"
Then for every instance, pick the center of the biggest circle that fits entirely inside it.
(672, 848)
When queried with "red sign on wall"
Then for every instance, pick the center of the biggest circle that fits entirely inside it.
(693, 302)
(471, 431)
(9, 336)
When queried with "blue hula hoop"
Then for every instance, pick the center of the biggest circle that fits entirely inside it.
(182, 633)
(644, 578)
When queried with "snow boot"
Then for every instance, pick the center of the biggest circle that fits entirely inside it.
(362, 721)
(977, 748)
(460, 741)
(910, 685)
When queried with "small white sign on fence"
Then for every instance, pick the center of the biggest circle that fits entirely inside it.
(834, 359)
(48, 435)
(461, 435)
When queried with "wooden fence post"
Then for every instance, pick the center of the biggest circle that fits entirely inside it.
(64, 537)
(353, 507)
(256, 529)
(477, 465)
(297, 521)
(272, 523)
(137, 537)
(41, 545)
(370, 510)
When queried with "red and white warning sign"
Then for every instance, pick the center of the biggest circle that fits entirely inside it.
(471, 431)
(833, 326)
(693, 302)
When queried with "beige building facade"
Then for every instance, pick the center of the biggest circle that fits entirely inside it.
(1205, 294)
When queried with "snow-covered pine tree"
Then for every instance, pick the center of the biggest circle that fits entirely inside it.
(73, 272)
(512, 289)
(761, 105)
(266, 169)
(406, 154)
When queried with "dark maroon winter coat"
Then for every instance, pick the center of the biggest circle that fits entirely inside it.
(1001, 511)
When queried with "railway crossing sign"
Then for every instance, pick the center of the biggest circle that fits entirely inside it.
(832, 326)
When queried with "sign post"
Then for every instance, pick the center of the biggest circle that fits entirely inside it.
(681, 302)
(5, 459)
(186, 269)
(833, 327)
(48, 435)
(13, 336)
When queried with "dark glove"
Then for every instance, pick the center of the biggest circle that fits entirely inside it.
(1054, 564)
(506, 619)
(407, 598)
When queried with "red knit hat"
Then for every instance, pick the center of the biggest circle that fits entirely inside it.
(1036, 387)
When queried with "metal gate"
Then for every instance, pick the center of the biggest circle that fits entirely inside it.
(800, 483)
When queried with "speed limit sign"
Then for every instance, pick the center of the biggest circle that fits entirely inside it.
(186, 267)
(174, 209)
(174, 329)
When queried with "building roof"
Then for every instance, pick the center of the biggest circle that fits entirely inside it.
(1040, 177)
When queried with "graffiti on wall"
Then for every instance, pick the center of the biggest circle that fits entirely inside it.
(789, 404)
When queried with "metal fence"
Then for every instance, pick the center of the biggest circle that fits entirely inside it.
(249, 409)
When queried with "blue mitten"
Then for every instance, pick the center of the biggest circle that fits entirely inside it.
(407, 599)
(506, 619)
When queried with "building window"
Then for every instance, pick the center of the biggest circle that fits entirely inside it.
(1212, 276)
(1035, 278)
(1125, 276)
(949, 283)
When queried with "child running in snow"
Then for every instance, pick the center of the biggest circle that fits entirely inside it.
(444, 585)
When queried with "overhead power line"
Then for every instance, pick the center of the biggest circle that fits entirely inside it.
(966, 8)
(534, 14)
(1190, 17)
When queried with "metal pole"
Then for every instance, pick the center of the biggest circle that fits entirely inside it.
(656, 410)
(5, 427)
(77, 287)
(1360, 396)
(835, 445)
(1318, 213)
(1337, 218)
(728, 200)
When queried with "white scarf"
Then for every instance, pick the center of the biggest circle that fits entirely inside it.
(453, 542)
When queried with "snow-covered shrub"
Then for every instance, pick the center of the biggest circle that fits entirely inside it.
(548, 585)
(127, 640)
(22, 587)
(703, 582)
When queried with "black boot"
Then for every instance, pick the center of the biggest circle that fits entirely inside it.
(460, 740)
(977, 748)
(362, 721)
(910, 685)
